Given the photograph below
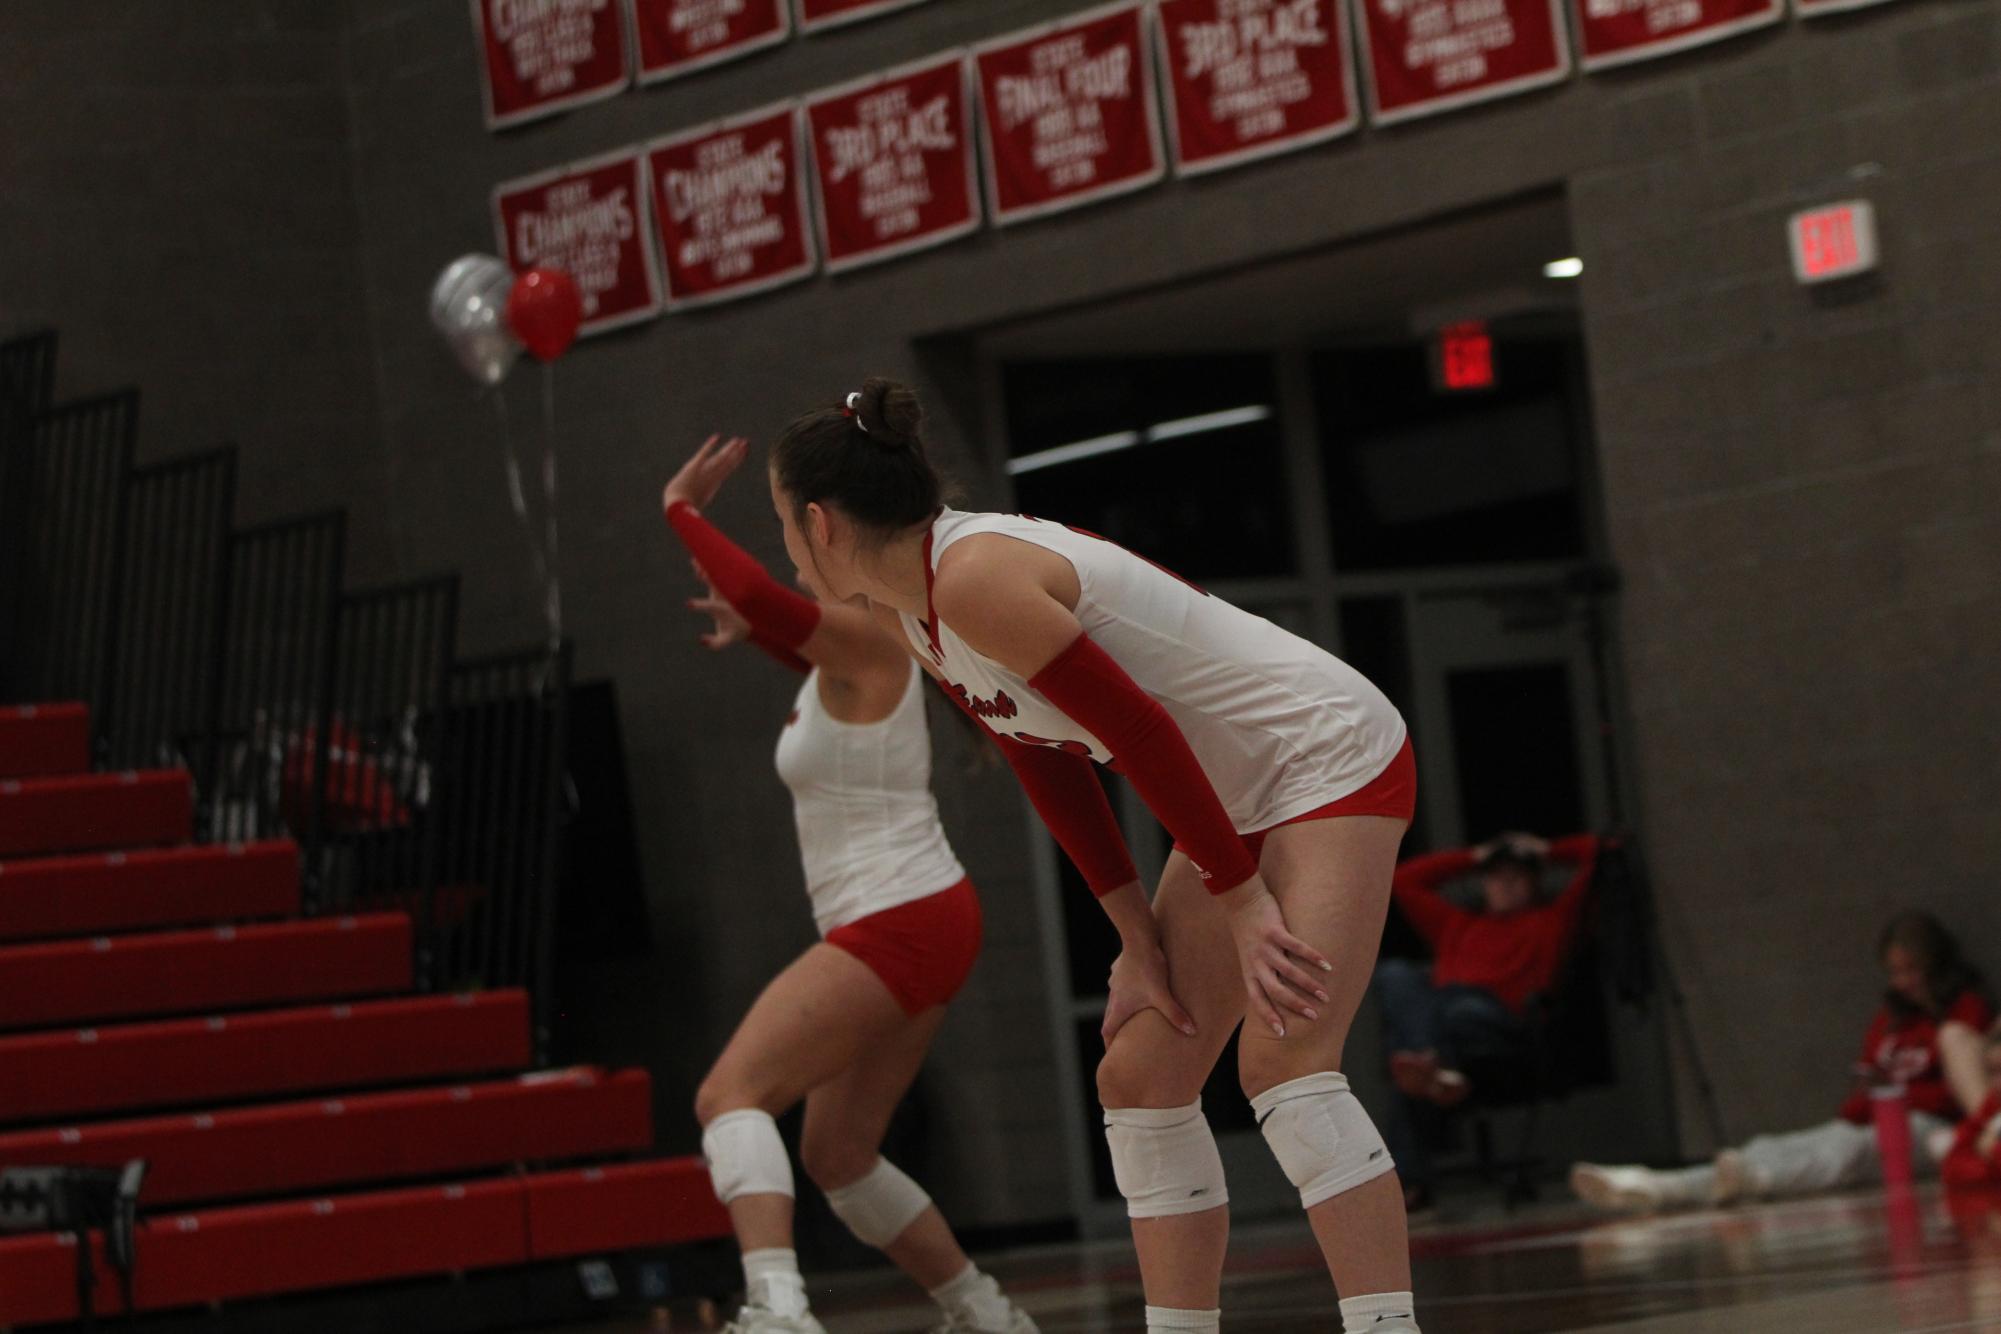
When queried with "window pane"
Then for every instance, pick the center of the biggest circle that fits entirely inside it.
(1417, 477)
(1516, 748)
(1177, 458)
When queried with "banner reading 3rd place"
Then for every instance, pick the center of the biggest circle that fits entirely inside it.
(893, 163)
(1249, 78)
(588, 219)
(729, 201)
(539, 57)
(677, 37)
(1069, 111)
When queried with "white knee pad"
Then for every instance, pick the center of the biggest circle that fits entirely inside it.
(879, 1206)
(1321, 1136)
(746, 1156)
(1165, 1160)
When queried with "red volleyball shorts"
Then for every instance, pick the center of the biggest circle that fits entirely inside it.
(922, 950)
(1391, 793)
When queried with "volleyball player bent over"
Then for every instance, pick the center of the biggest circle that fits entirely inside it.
(1285, 777)
(848, 1023)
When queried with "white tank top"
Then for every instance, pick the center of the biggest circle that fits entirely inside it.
(1280, 726)
(861, 795)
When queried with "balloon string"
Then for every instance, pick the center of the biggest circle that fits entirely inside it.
(554, 575)
(517, 496)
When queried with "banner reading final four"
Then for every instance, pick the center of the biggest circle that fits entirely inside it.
(817, 14)
(1069, 110)
(1248, 78)
(1421, 57)
(893, 163)
(677, 37)
(588, 219)
(731, 208)
(1616, 32)
(538, 57)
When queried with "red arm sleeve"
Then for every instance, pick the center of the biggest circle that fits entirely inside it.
(1416, 890)
(1581, 852)
(781, 620)
(1064, 790)
(1085, 682)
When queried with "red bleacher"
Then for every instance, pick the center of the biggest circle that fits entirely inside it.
(292, 1193)
(127, 891)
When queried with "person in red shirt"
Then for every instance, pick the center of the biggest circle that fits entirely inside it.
(1974, 1157)
(1936, 1004)
(1465, 1007)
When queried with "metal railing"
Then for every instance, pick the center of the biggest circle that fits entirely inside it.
(342, 720)
(170, 603)
(68, 467)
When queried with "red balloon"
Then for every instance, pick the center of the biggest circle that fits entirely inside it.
(544, 311)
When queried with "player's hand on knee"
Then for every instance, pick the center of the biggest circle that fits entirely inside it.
(1139, 982)
(1276, 964)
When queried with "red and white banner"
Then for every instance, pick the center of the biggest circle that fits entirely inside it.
(1617, 32)
(1070, 116)
(1422, 57)
(1815, 8)
(893, 163)
(730, 206)
(538, 57)
(1249, 78)
(677, 37)
(588, 219)
(815, 15)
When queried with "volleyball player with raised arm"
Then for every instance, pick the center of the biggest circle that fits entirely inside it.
(1285, 777)
(848, 1023)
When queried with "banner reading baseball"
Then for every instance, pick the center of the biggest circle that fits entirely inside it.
(731, 208)
(1249, 78)
(588, 219)
(893, 163)
(538, 57)
(677, 37)
(1070, 117)
(1618, 32)
(1422, 57)
(817, 14)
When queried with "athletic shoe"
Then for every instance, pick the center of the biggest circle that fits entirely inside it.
(1626, 1190)
(1017, 1323)
(752, 1319)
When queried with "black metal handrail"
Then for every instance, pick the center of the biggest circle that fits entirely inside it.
(342, 720)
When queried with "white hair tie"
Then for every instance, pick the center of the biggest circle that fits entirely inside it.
(854, 410)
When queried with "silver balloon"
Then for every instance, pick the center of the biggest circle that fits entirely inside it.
(468, 307)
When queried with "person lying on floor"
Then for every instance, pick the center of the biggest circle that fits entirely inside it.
(1932, 1017)
(1465, 1008)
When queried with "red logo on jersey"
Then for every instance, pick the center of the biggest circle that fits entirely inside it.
(1066, 746)
(1000, 706)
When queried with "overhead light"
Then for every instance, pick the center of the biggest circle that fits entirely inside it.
(1082, 449)
(1178, 429)
(1563, 268)
(1208, 421)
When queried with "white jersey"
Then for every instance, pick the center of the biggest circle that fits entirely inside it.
(1280, 726)
(861, 795)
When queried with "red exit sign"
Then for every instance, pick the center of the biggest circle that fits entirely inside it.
(1833, 241)
(1463, 357)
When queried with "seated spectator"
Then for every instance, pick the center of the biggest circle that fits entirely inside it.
(1465, 1008)
(1933, 993)
(1974, 1157)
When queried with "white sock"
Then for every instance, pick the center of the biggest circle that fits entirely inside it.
(771, 1280)
(1379, 1313)
(975, 1296)
(1166, 1317)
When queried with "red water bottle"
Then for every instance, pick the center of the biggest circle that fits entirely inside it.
(1893, 1134)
